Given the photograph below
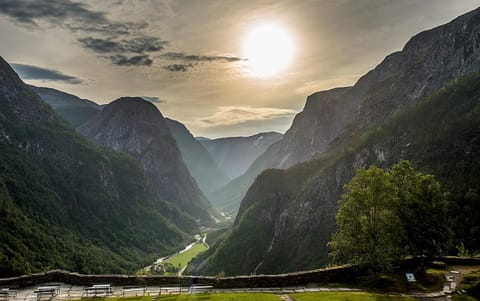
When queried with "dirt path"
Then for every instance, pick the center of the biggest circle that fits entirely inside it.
(286, 297)
(453, 278)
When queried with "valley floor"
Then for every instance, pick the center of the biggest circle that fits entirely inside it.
(176, 264)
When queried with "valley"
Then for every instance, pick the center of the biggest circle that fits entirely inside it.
(212, 171)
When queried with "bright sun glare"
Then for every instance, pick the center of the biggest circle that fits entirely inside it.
(268, 49)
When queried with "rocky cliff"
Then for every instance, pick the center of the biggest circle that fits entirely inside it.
(136, 127)
(287, 216)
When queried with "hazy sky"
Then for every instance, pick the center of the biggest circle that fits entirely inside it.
(190, 57)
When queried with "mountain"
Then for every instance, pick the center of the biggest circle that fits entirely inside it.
(235, 154)
(136, 127)
(392, 113)
(68, 203)
(335, 117)
(70, 107)
(197, 159)
(201, 166)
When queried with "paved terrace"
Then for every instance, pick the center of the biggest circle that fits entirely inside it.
(75, 292)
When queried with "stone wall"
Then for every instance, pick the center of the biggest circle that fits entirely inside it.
(337, 274)
(321, 276)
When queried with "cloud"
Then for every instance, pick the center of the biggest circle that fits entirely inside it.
(180, 56)
(154, 99)
(135, 45)
(137, 60)
(28, 12)
(27, 72)
(109, 37)
(230, 115)
(74, 16)
(101, 45)
(191, 60)
(178, 67)
(110, 29)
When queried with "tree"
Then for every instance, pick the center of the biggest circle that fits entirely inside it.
(422, 209)
(384, 215)
(367, 224)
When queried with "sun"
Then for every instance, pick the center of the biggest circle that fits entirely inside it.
(268, 49)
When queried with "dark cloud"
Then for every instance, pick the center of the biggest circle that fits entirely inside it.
(135, 45)
(104, 36)
(154, 99)
(110, 29)
(138, 60)
(101, 45)
(144, 44)
(178, 67)
(38, 73)
(180, 56)
(56, 11)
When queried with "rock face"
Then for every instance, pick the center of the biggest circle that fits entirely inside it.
(70, 107)
(198, 160)
(67, 203)
(136, 127)
(287, 216)
(235, 154)
(332, 118)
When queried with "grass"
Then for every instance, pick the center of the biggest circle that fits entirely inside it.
(204, 297)
(463, 298)
(182, 259)
(320, 296)
(347, 296)
(222, 297)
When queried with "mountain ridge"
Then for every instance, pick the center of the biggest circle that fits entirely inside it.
(73, 109)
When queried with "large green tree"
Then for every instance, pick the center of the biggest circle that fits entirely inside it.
(367, 222)
(384, 215)
(422, 209)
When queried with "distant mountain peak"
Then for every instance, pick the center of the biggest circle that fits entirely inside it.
(72, 108)
(135, 105)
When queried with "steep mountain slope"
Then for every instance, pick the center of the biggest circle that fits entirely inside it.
(287, 216)
(67, 203)
(235, 154)
(331, 118)
(198, 160)
(70, 107)
(135, 126)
